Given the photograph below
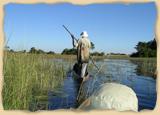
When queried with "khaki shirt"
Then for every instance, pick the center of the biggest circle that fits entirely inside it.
(83, 46)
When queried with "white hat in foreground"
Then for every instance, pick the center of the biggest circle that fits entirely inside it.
(84, 34)
(111, 96)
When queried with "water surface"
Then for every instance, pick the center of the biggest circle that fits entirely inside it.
(121, 71)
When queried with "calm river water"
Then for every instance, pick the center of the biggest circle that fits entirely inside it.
(121, 71)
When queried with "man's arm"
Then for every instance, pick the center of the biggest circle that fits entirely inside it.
(74, 42)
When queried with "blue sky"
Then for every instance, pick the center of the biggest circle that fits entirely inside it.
(111, 27)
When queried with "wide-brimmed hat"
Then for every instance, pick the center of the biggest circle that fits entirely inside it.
(84, 34)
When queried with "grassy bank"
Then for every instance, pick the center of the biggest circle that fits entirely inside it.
(145, 66)
(27, 77)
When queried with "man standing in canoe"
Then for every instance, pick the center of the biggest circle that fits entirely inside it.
(83, 46)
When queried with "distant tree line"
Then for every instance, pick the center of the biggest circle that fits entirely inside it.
(73, 51)
(146, 49)
(97, 53)
(116, 54)
(32, 50)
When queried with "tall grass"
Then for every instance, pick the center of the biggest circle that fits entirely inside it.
(27, 76)
(146, 66)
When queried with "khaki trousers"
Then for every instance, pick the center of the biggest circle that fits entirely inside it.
(83, 70)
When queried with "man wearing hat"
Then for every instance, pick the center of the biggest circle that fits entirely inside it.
(83, 46)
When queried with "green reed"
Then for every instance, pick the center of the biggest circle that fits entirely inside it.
(146, 66)
(27, 76)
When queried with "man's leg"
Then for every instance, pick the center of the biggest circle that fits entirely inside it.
(84, 76)
(83, 70)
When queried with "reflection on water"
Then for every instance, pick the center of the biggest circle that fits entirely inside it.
(66, 96)
(121, 71)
